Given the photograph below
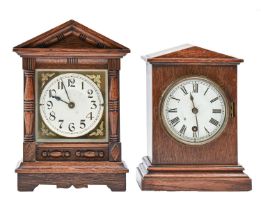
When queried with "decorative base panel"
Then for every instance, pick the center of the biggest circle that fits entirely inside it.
(67, 174)
(192, 177)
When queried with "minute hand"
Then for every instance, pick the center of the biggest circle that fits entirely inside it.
(194, 110)
(66, 91)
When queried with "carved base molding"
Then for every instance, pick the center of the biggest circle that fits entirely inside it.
(67, 174)
(192, 177)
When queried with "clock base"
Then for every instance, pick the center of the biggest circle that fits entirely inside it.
(192, 177)
(67, 174)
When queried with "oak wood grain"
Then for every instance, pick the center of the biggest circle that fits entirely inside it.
(192, 177)
(71, 46)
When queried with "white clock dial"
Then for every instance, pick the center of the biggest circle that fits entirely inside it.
(71, 105)
(194, 110)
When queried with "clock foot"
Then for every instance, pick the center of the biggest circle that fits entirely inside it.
(24, 183)
(67, 174)
(192, 177)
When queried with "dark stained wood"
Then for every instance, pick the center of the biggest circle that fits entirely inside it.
(71, 46)
(167, 150)
(192, 177)
(196, 55)
(29, 149)
(172, 165)
(69, 152)
(67, 174)
(71, 39)
(29, 107)
(115, 151)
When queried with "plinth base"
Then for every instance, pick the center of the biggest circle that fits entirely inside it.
(192, 177)
(67, 174)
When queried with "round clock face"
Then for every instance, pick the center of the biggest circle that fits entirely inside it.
(71, 105)
(194, 110)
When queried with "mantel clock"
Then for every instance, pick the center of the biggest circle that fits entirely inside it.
(71, 109)
(192, 122)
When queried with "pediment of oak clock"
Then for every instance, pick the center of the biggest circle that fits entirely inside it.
(190, 54)
(71, 39)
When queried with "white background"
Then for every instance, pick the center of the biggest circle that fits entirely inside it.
(230, 27)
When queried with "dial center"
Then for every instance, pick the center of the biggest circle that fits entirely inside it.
(71, 105)
(195, 110)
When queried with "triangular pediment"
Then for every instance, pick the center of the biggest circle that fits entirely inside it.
(74, 36)
(189, 54)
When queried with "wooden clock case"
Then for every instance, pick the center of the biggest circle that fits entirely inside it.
(171, 165)
(71, 46)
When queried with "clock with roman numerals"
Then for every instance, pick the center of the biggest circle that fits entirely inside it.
(194, 110)
(192, 122)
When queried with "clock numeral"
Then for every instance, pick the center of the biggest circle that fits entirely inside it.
(90, 93)
(195, 87)
(175, 121)
(61, 123)
(214, 99)
(206, 91)
(82, 124)
(71, 82)
(173, 110)
(71, 127)
(184, 90)
(49, 104)
(94, 105)
(175, 98)
(52, 93)
(195, 134)
(206, 130)
(216, 111)
(82, 85)
(60, 85)
(213, 121)
(89, 116)
(183, 130)
(52, 116)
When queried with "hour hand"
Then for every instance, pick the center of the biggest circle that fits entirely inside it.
(58, 98)
(191, 97)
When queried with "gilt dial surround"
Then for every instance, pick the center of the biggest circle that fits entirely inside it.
(71, 105)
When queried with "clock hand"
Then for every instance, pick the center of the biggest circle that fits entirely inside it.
(66, 91)
(70, 104)
(58, 98)
(192, 99)
(195, 111)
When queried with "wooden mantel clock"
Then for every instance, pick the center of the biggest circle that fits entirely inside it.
(71, 110)
(192, 122)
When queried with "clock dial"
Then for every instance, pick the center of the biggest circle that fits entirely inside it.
(71, 105)
(194, 110)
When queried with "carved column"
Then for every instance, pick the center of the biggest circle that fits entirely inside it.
(114, 110)
(29, 104)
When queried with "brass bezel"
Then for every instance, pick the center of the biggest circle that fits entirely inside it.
(175, 83)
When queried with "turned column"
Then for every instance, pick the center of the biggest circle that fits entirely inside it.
(114, 110)
(29, 114)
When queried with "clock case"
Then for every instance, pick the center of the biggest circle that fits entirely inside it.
(71, 46)
(172, 165)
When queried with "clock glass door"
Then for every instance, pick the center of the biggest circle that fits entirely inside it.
(194, 110)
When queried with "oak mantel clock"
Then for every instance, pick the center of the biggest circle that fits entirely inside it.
(192, 122)
(71, 110)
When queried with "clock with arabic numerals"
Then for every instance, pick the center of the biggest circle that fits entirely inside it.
(71, 104)
(192, 122)
(71, 110)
